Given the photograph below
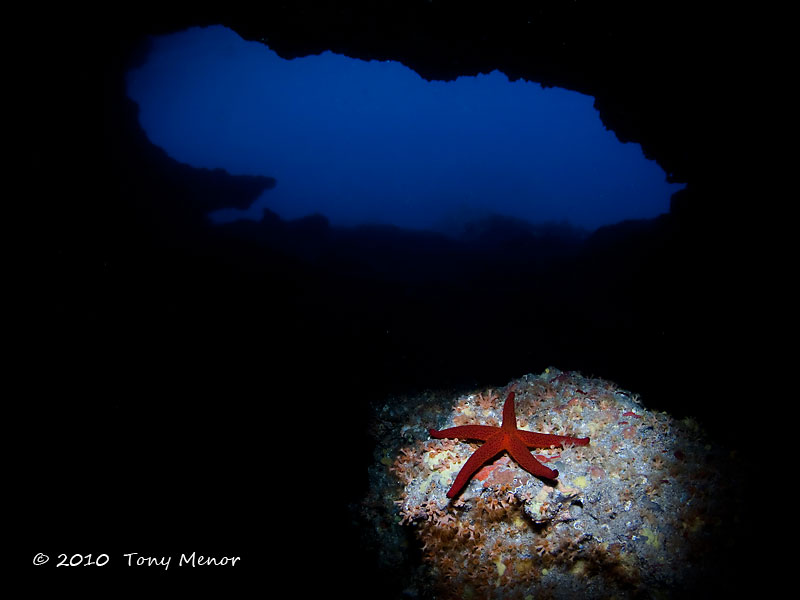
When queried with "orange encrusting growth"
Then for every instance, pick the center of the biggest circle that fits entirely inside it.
(504, 438)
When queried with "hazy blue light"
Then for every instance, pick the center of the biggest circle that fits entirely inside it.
(367, 142)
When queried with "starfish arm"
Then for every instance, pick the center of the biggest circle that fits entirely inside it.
(470, 432)
(492, 446)
(516, 448)
(545, 440)
(509, 413)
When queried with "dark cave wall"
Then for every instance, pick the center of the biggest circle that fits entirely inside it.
(655, 75)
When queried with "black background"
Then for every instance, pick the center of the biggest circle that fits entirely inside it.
(192, 389)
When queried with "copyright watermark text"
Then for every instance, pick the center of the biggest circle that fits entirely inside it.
(136, 560)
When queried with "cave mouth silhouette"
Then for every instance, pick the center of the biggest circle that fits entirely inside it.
(372, 142)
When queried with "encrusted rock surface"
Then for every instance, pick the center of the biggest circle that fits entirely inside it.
(640, 511)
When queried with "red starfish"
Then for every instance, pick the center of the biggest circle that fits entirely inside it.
(507, 437)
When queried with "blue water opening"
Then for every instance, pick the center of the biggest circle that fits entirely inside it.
(371, 142)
